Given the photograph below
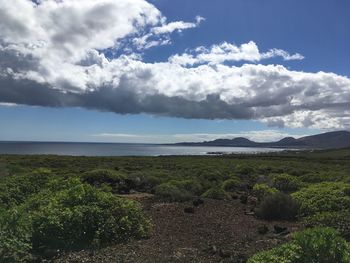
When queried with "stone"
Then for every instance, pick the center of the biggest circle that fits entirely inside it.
(279, 229)
(262, 230)
(189, 210)
(198, 202)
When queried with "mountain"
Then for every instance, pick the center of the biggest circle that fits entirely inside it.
(328, 140)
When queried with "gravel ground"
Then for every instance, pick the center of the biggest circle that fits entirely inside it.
(217, 231)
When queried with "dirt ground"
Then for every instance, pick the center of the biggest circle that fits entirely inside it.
(217, 231)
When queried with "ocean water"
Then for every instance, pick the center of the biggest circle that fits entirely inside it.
(118, 149)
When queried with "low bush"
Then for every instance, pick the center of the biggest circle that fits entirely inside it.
(278, 206)
(15, 235)
(231, 185)
(190, 185)
(263, 190)
(76, 217)
(323, 197)
(81, 216)
(115, 179)
(171, 192)
(216, 193)
(318, 177)
(286, 183)
(338, 220)
(15, 189)
(244, 170)
(317, 245)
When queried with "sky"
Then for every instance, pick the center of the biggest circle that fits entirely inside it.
(163, 71)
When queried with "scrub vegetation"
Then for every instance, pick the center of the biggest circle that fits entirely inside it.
(50, 205)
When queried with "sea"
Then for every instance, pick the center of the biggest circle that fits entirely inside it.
(120, 149)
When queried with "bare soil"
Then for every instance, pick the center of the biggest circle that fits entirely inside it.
(217, 231)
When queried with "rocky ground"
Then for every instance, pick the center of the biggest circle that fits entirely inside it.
(215, 231)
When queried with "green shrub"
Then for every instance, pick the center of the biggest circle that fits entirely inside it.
(75, 217)
(14, 190)
(231, 185)
(323, 197)
(82, 215)
(263, 190)
(244, 170)
(15, 234)
(216, 193)
(278, 206)
(286, 183)
(317, 245)
(145, 181)
(170, 192)
(318, 177)
(338, 220)
(115, 179)
(190, 185)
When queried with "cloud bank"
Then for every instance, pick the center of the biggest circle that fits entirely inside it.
(86, 53)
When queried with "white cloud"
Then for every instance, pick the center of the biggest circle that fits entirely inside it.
(176, 26)
(160, 35)
(227, 52)
(52, 54)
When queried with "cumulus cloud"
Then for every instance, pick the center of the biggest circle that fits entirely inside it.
(53, 53)
(227, 52)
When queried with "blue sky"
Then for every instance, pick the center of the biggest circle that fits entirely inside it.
(317, 30)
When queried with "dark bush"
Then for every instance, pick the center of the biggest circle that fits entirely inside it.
(117, 180)
(278, 206)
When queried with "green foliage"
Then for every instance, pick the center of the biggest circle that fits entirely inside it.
(216, 193)
(263, 190)
(338, 220)
(231, 185)
(68, 215)
(15, 234)
(278, 206)
(80, 216)
(15, 190)
(115, 179)
(170, 192)
(323, 197)
(286, 183)
(245, 169)
(317, 245)
(174, 177)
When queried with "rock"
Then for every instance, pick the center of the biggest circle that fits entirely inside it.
(249, 213)
(213, 249)
(224, 253)
(279, 229)
(262, 230)
(234, 196)
(244, 198)
(198, 202)
(189, 210)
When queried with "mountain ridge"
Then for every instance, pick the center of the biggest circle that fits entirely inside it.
(327, 140)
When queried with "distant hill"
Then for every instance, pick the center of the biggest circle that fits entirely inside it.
(328, 140)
